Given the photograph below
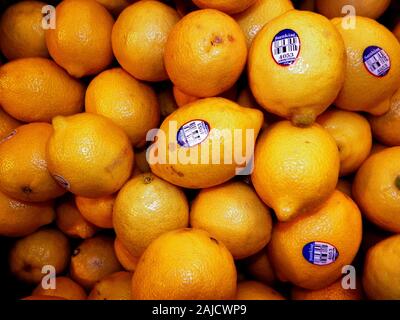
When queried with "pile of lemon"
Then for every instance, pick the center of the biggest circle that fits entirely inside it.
(230, 149)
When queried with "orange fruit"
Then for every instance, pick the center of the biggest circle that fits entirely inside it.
(376, 189)
(125, 258)
(115, 6)
(246, 99)
(89, 155)
(253, 19)
(302, 160)
(365, 8)
(41, 248)
(23, 165)
(212, 157)
(185, 264)
(7, 124)
(297, 80)
(233, 214)
(259, 267)
(54, 93)
(386, 128)
(18, 219)
(93, 260)
(381, 270)
(72, 223)
(253, 290)
(353, 137)
(97, 211)
(145, 208)
(139, 37)
(21, 32)
(213, 57)
(116, 286)
(65, 288)
(81, 43)
(335, 291)
(228, 6)
(130, 104)
(373, 66)
(311, 250)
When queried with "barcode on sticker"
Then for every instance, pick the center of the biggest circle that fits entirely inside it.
(286, 47)
(377, 61)
(193, 133)
(320, 253)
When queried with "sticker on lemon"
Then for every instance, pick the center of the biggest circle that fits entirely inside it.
(311, 250)
(373, 67)
(297, 66)
(205, 143)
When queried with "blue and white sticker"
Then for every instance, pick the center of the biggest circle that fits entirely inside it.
(377, 61)
(285, 47)
(320, 253)
(192, 133)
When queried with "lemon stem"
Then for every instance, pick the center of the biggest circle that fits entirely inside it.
(303, 120)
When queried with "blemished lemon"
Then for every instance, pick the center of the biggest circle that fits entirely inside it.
(213, 55)
(145, 208)
(373, 66)
(353, 137)
(130, 104)
(381, 269)
(376, 189)
(81, 42)
(227, 6)
(365, 8)
(296, 66)
(21, 32)
(235, 215)
(303, 160)
(89, 155)
(55, 93)
(311, 250)
(93, 260)
(211, 157)
(185, 264)
(42, 248)
(139, 37)
(23, 165)
(253, 19)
